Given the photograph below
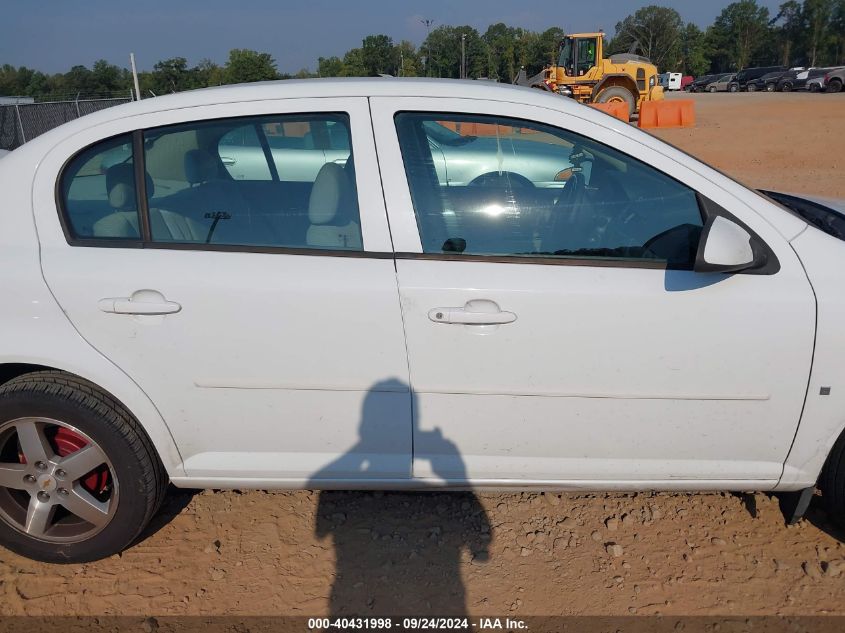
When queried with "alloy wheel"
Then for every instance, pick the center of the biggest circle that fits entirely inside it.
(56, 483)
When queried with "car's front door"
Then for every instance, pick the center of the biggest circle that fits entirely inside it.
(560, 334)
(259, 313)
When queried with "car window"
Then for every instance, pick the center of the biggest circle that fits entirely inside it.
(525, 189)
(263, 181)
(97, 184)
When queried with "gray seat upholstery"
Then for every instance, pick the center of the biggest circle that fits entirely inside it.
(332, 211)
(212, 194)
(123, 223)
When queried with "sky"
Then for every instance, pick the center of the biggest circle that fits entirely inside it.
(53, 35)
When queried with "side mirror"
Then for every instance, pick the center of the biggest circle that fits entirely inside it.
(727, 247)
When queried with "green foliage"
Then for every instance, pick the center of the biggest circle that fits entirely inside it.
(801, 33)
(738, 32)
(377, 55)
(654, 32)
(170, 75)
(694, 57)
(245, 66)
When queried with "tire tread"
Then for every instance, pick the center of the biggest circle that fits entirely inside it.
(86, 394)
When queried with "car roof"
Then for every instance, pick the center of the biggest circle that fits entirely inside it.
(323, 88)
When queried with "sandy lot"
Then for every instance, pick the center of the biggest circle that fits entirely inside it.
(307, 553)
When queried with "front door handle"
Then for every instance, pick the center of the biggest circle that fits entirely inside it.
(142, 302)
(475, 312)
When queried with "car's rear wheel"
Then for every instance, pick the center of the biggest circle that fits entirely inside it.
(770, 87)
(79, 479)
(733, 88)
(751, 87)
(834, 85)
(786, 87)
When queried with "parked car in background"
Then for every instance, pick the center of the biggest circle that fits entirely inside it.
(300, 158)
(793, 80)
(670, 81)
(815, 84)
(686, 80)
(700, 84)
(834, 79)
(743, 77)
(364, 322)
(721, 83)
(766, 83)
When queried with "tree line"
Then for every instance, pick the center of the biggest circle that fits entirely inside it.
(800, 33)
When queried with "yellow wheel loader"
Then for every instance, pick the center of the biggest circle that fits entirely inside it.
(584, 74)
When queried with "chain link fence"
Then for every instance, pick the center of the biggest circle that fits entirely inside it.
(22, 122)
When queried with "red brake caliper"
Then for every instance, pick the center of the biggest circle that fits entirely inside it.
(65, 442)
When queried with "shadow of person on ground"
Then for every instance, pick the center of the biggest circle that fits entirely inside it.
(399, 553)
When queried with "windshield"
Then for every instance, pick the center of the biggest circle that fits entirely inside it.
(565, 58)
(824, 218)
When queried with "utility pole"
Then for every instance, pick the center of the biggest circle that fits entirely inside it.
(463, 56)
(428, 24)
(135, 76)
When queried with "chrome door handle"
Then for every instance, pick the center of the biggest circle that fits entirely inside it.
(475, 312)
(139, 303)
(228, 160)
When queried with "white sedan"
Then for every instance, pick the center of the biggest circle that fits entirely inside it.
(650, 324)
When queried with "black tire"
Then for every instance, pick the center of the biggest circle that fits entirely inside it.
(834, 85)
(770, 87)
(832, 482)
(617, 93)
(141, 478)
(814, 88)
(750, 88)
(712, 89)
(786, 87)
(733, 88)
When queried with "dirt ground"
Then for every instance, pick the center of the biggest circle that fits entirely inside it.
(309, 553)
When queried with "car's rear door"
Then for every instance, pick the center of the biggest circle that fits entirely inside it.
(548, 337)
(259, 314)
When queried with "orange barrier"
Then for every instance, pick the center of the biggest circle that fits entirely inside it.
(472, 128)
(663, 114)
(614, 108)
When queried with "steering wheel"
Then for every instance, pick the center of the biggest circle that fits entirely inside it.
(502, 180)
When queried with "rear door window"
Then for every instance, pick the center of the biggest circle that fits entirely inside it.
(98, 192)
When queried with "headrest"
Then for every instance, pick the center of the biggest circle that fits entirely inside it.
(120, 185)
(331, 193)
(200, 166)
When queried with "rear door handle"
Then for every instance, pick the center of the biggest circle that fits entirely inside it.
(228, 160)
(144, 302)
(475, 312)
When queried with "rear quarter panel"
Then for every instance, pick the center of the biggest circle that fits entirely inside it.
(33, 328)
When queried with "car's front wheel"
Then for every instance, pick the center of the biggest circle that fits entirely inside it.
(79, 479)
